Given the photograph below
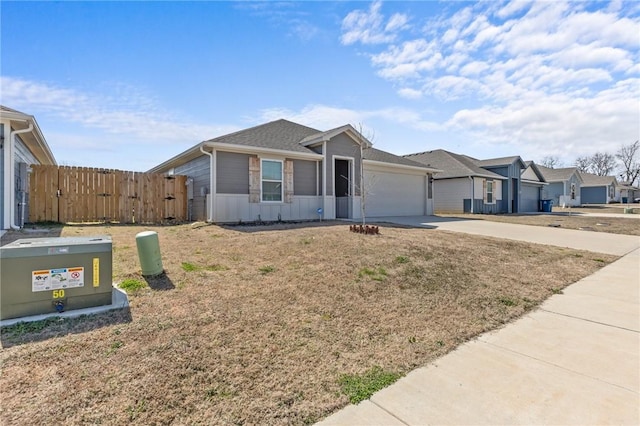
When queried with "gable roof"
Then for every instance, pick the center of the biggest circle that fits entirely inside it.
(558, 175)
(325, 136)
(373, 154)
(280, 134)
(286, 138)
(589, 179)
(452, 165)
(502, 161)
(530, 165)
(34, 139)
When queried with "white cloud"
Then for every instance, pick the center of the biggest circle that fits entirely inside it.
(398, 21)
(126, 111)
(324, 117)
(565, 125)
(368, 27)
(545, 71)
(409, 93)
(512, 8)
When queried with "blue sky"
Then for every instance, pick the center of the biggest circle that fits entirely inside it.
(128, 85)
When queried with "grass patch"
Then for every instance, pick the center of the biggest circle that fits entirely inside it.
(131, 285)
(358, 387)
(376, 274)
(115, 346)
(190, 267)
(21, 328)
(507, 301)
(402, 259)
(267, 269)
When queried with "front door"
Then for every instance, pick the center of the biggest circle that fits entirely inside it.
(342, 188)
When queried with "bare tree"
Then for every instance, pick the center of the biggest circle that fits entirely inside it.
(603, 164)
(362, 185)
(627, 154)
(551, 161)
(583, 164)
(600, 163)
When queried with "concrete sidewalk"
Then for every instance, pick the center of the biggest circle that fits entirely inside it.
(576, 360)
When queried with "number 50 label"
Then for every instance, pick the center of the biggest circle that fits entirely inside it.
(58, 294)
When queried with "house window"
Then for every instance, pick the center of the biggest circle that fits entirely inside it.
(490, 192)
(271, 180)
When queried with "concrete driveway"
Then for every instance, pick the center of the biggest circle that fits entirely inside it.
(599, 242)
(574, 361)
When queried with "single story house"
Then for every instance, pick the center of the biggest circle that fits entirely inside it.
(282, 170)
(599, 189)
(532, 188)
(564, 185)
(21, 144)
(469, 185)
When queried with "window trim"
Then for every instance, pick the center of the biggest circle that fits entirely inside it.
(492, 192)
(281, 181)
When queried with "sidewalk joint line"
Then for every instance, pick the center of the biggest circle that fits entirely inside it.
(388, 412)
(589, 320)
(559, 366)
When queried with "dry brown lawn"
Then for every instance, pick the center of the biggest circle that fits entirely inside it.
(613, 225)
(265, 320)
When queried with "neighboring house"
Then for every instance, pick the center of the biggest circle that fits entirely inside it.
(286, 171)
(21, 144)
(564, 185)
(628, 192)
(532, 188)
(470, 185)
(598, 189)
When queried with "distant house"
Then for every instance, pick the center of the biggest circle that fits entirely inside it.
(532, 187)
(598, 189)
(21, 144)
(286, 171)
(628, 192)
(470, 185)
(564, 185)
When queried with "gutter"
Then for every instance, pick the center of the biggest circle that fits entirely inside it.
(402, 166)
(473, 192)
(212, 181)
(12, 173)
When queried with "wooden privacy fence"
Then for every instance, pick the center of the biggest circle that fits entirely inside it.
(83, 194)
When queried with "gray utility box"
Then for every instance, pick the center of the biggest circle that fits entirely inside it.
(44, 275)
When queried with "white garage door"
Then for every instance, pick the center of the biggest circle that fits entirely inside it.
(394, 194)
(529, 199)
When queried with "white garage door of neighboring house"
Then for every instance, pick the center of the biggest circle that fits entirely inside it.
(394, 194)
(529, 198)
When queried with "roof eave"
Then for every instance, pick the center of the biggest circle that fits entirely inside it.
(248, 149)
(37, 132)
(402, 166)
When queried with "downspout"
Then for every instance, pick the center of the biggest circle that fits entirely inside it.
(473, 195)
(324, 180)
(12, 174)
(211, 182)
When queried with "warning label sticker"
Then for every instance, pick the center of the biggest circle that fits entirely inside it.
(53, 279)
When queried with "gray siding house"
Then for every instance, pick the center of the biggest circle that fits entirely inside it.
(21, 144)
(469, 185)
(598, 189)
(286, 171)
(564, 185)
